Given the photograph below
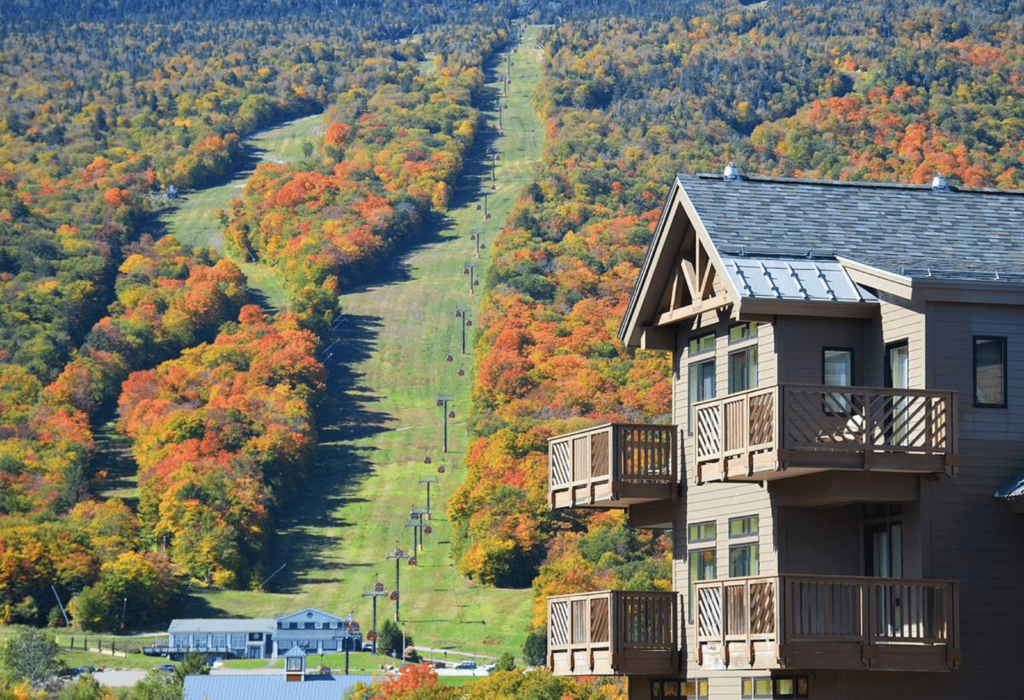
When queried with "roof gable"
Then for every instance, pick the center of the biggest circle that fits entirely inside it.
(682, 276)
(784, 246)
(309, 615)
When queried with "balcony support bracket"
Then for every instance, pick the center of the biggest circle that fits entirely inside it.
(953, 659)
(868, 653)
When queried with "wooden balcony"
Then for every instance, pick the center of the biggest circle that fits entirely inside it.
(792, 429)
(613, 466)
(827, 622)
(608, 633)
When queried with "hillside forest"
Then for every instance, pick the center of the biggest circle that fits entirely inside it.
(105, 113)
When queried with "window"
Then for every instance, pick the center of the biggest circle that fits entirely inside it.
(701, 344)
(743, 560)
(883, 540)
(701, 532)
(743, 363)
(255, 636)
(702, 568)
(219, 641)
(702, 372)
(237, 641)
(837, 370)
(702, 384)
(990, 371)
(319, 625)
(837, 367)
(696, 688)
(743, 370)
(742, 331)
(742, 527)
(779, 687)
(294, 663)
(330, 644)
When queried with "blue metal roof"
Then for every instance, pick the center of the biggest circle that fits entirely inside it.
(269, 687)
(801, 279)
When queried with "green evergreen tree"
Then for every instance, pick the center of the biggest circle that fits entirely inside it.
(194, 664)
(31, 655)
(535, 650)
(505, 662)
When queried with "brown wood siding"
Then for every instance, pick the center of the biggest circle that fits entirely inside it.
(800, 340)
(955, 529)
(900, 320)
(803, 530)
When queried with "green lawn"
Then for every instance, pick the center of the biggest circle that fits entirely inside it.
(381, 421)
(194, 218)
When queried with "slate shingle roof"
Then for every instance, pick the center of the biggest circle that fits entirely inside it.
(904, 229)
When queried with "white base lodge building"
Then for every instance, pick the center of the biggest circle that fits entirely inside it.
(312, 630)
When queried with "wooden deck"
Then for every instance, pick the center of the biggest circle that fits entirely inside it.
(789, 430)
(613, 466)
(607, 633)
(827, 622)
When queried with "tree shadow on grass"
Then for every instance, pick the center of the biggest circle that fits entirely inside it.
(346, 416)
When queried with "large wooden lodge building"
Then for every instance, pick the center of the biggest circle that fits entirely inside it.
(841, 475)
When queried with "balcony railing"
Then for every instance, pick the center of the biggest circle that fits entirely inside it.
(613, 466)
(827, 622)
(613, 633)
(792, 429)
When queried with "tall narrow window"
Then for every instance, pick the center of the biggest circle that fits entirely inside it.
(837, 370)
(743, 363)
(743, 557)
(743, 370)
(701, 372)
(990, 371)
(702, 568)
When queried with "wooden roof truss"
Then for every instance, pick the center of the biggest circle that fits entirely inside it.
(694, 285)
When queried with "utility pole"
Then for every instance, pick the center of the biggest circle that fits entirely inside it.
(398, 555)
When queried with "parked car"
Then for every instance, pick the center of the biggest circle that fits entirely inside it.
(440, 664)
(467, 666)
(167, 667)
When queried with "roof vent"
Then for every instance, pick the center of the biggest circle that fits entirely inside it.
(731, 172)
(939, 184)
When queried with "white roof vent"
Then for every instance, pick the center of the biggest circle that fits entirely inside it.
(731, 172)
(939, 184)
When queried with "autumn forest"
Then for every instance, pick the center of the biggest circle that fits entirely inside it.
(107, 323)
